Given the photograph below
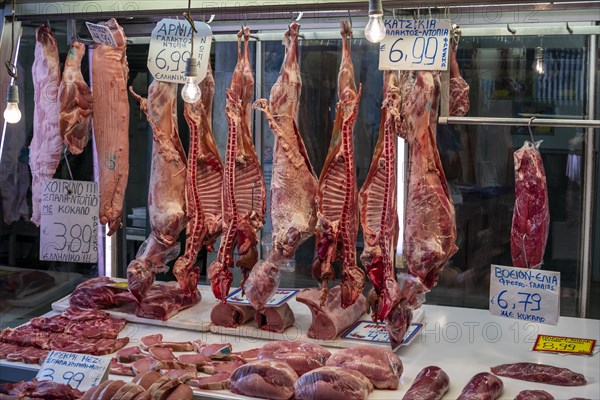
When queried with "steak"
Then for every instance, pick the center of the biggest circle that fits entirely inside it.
(231, 315)
(275, 319)
(265, 378)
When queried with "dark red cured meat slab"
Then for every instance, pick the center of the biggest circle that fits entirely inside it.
(540, 373)
(430, 384)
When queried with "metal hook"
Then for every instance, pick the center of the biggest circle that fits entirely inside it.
(394, 13)
(511, 30)
(429, 12)
(569, 29)
(350, 19)
(530, 130)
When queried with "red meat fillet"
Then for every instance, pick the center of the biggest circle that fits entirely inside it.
(540, 373)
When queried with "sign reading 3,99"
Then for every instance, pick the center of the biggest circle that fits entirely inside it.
(410, 44)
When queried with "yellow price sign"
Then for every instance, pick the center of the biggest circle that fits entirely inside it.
(562, 344)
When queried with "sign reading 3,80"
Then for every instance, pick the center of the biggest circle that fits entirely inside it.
(415, 44)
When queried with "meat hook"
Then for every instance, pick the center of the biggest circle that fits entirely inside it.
(511, 30)
(569, 29)
(530, 130)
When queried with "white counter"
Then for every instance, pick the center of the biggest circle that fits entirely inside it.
(461, 341)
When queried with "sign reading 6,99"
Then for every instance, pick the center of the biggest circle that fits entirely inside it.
(415, 45)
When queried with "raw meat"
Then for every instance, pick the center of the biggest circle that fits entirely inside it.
(213, 351)
(27, 355)
(275, 319)
(166, 193)
(534, 395)
(181, 392)
(6, 349)
(531, 215)
(96, 347)
(214, 382)
(378, 210)
(96, 293)
(301, 356)
(41, 389)
(198, 360)
(150, 340)
(174, 364)
(231, 315)
(181, 374)
(540, 373)
(19, 284)
(75, 102)
(161, 353)
(459, 88)
(332, 383)
(202, 187)
(246, 355)
(293, 183)
(144, 365)
(111, 124)
(81, 323)
(177, 346)
(146, 379)
(330, 319)
(337, 197)
(162, 387)
(266, 379)
(483, 386)
(431, 383)
(225, 366)
(382, 367)
(130, 354)
(46, 145)
(117, 368)
(244, 190)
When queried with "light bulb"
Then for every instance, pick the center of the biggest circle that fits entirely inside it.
(191, 91)
(12, 114)
(375, 30)
(538, 61)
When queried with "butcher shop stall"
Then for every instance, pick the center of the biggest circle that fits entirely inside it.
(336, 199)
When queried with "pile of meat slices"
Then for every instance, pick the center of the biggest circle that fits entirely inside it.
(74, 330)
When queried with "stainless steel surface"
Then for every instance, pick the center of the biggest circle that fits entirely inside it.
(574, 123)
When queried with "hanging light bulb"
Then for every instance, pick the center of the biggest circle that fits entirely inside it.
(12, 114)
(375, 30)
(538, 61)
(191, 91)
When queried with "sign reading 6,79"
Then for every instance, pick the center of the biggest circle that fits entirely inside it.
(415, 44)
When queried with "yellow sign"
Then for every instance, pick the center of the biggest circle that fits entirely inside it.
(120, 285)
(561, 344)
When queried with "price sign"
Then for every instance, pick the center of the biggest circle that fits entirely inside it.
(409, 44)
(171, 46)
(80, 371)
(526, 294)
(69, 225)
(561, 344)
(280, 297)
(101, 34)
(368, 331)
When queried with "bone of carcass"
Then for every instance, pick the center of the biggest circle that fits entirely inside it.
(111, 124)
(531, 215)
(166, 202)
(294, 183)
(244, 190)
(337, 196)
(203, 184)
(378, 215)
(46, 144)
(75, 102)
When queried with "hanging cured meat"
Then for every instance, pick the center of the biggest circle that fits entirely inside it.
(203, 185)
(294, 183)
(46, 145)
(166, 192)
(531, 215)
(75, 102)
(337, 205)
(111, 124)
(244, 190)
(378, 207)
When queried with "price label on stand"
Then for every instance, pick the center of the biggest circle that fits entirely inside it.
(368, 331)
(69, 224)
(421, 44)
(101, 34)
(171, 46)
(280, 297)
(527, 294)
(80, 371)
(562, 344)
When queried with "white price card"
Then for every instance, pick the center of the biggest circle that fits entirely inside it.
(171, 46)
(527, 294)
(280, 297)
(415, 44)
(80, 371)
(368, 331)
(101, 34)
(69, 225)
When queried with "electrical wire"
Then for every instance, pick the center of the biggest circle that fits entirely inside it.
(188, 17)
(10, 66)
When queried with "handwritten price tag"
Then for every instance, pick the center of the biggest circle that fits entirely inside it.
(171, 46)
(80, 371)
(280, 297)
(101, 34)
(415, 44)
(561, 344)
(69, 224)
(526, 294)
(368, 331)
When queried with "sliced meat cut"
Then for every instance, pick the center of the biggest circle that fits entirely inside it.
(540, 373)
(214, 382)
(431, 383)
(46, 145)
(301, 356)
(6, 349)
(266, 378)
(150, 340)
(198, 360)
(534, 395)
(145, 380)
(382, 367)
(531, 215)
(174, 364)
(483, 386)
(224, 366)
(330, 319)
(116, 368)
(75, 102)
(96, 293)
(47, 390)
(275, 319)
(332, 383)
(213, 351)
(130, 354)
(183, 375)
(337, 196)
(161, 353)
(111, 124)
(144, 365)
(231, 315)
(181, 392)
(177, 346)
